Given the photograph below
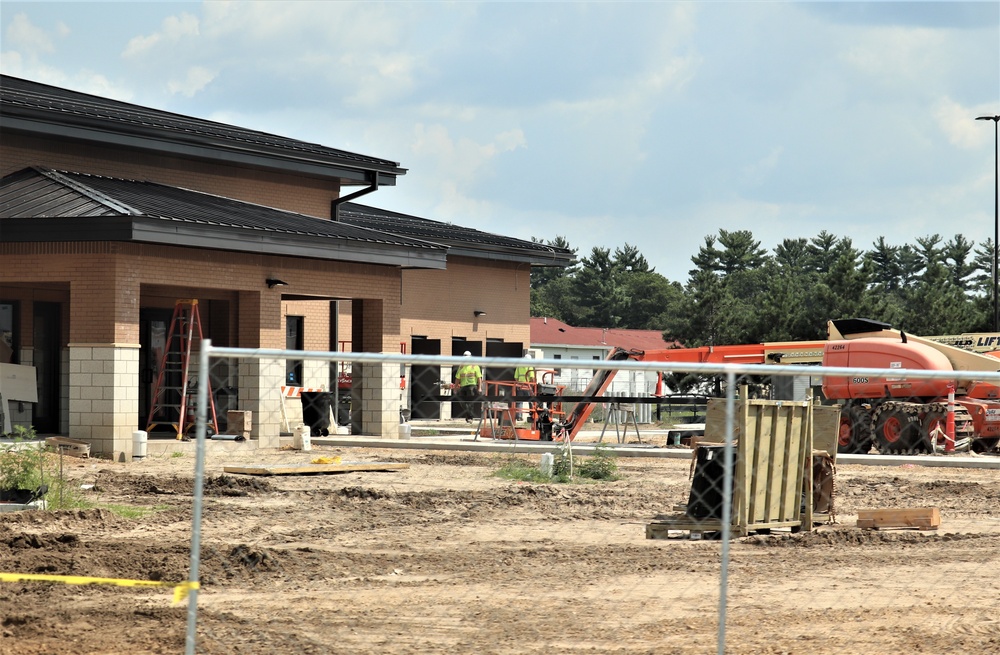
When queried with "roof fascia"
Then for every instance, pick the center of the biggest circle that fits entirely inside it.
(535, 259)
(165, 142)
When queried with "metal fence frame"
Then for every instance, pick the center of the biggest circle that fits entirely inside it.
(728, 371)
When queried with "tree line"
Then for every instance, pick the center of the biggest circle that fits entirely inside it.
(738, 292)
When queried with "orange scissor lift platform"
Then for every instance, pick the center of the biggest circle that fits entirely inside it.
(528, 417)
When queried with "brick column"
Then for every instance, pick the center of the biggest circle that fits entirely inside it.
(104, 397)
(103, 376)
(259, 380)
(375, 400)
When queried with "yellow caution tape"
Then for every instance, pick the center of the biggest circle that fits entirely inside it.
(181, 589)
(326, 460)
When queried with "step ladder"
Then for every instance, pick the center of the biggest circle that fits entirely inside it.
(173, 393)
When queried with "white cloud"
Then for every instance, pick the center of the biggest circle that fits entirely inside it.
(461, 159)
(959, 125)
(756, 173)
(196, 79)
(897, 56)
(172, 30)
(378, 79)
(24, 36)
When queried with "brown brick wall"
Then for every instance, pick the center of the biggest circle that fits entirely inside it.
(301, 194)
(440, 304)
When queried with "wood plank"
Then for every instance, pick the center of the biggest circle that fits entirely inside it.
(921, 518)
(307, 469)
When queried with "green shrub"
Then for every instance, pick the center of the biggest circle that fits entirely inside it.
(22, 462)
(602, 465)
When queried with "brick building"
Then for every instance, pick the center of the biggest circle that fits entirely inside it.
(110, 212)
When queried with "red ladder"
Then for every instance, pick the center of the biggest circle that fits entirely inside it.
(173, 382)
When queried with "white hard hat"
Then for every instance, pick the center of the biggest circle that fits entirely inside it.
(467, 354)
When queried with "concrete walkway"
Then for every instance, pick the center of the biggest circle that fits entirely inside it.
(462, 439)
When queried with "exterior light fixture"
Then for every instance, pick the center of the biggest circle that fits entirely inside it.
(275, 282)
(478, 312)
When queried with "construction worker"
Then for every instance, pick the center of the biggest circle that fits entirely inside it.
(469, 379)
(524, 376)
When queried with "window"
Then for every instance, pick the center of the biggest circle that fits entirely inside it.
(558, 370)
(8, 336)
(294, 341)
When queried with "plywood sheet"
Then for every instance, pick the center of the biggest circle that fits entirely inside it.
(309, 468)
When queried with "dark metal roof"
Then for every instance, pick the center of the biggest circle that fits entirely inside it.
(43, 205)
(31, 107)
(461, 240)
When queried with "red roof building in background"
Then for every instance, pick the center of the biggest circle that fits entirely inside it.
(553, 332)
(554, 339)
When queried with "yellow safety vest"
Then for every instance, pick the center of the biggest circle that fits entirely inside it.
(469, 375)
(524, 373)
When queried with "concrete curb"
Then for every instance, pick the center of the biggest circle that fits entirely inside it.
(466, 443)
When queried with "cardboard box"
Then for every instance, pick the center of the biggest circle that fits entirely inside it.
(239, 422)
(71, 447)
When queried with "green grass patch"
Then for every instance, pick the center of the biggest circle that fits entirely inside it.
(130, 511)
(521, 471)
(601, 466)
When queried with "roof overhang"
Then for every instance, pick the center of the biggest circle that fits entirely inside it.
(176, 233)
(161, 141)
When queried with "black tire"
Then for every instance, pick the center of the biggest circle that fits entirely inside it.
(985, 445)
(897, 431)
(855, 435)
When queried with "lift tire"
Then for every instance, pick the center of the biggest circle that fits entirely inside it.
(855, 435)
(898, 431)
(985, 445)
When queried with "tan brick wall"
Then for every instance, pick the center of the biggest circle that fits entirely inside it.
(440, 304)
(301, 194)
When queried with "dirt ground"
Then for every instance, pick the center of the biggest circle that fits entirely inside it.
(443, 557)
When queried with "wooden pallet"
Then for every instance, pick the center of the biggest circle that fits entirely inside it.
(695, 528)
(309, 469)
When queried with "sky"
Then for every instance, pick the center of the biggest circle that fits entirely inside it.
(653, 124)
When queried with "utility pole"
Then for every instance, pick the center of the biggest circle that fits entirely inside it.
(996, 212)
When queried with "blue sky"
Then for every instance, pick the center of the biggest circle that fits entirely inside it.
(654, 123)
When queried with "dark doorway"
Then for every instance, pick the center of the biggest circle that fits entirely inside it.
(47, 341)
(153, 326)
(425, 381)
(500, 349)
(294, 340)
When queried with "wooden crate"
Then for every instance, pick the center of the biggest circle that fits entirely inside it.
(239, 422)
(773, 451)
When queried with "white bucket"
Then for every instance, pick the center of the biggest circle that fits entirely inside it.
(138, 444)
(301, 440)
(404, 430)
(546, 464)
